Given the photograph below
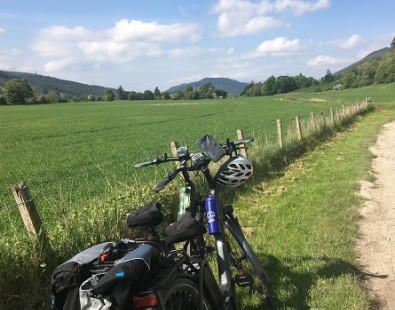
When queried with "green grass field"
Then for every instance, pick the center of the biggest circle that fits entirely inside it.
(78, 162)
(82, 150)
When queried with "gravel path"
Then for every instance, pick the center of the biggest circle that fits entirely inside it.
(376, 245)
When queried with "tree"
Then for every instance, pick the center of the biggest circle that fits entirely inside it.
(221, 93)
(206, 90)
(148, 95)
(329, 76)
(285, 84)
(367, 71)
(121, 94)
(269, 86)
(350, 79)
(157, 93)
(392, 46)
(108, 94)
(188, 89)
(166, 95)
(386, 69)
(17, 91)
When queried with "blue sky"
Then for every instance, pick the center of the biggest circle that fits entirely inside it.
(143, 44)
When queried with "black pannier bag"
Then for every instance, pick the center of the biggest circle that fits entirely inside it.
(121, 281)
(67, 278)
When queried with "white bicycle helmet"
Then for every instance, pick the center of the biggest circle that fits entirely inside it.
(234, 172)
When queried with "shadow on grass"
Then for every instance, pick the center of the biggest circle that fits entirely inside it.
(295, 286)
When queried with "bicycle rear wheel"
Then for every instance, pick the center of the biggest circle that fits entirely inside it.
(253, 286)
(182, 294)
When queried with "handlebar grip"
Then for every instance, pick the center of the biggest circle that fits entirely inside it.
(161, 185)
(244, 141)
(144, 164)
(170, 176)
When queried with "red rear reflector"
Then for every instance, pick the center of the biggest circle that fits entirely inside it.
(150, 300)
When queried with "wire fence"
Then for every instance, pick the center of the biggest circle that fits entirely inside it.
(54, 196)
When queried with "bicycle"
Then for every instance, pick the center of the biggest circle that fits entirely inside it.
(236, 260)
(154, 274)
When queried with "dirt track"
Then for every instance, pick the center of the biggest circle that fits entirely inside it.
(376, 245)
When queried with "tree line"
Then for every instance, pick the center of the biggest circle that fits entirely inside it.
(374, 71)
(279, 85)
(205, 91)
(18, 91)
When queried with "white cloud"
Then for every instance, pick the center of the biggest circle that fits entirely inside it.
(277, 47)
(321, 60)
(126, 41)
(245, 17)
(299, 7)
(134, 30)
(2, 30)
(191, 52)
(60, 41)
(351, 42)
(58, 65)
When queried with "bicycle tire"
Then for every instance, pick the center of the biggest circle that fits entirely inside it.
(182, 294)
(249, 275)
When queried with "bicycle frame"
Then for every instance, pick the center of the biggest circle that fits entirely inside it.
(224, 271)
(196, 249)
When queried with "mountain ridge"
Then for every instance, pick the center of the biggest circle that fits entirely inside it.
(43, 84)
(231, 86)
(373, 55)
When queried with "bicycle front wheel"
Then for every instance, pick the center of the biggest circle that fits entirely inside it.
(253, 287)
(182, 294)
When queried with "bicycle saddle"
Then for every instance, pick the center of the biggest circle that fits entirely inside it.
(184, 229)
(148, 216)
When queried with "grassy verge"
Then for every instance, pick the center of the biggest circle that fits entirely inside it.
(305, 222)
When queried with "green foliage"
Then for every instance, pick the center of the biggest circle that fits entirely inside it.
(386, 69)
(377, 70)
(279, 85)
(108, 95)
(157, 93)
(328, 77)
(121, 94)
(17, 91)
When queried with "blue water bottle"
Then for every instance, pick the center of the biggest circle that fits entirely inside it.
(212, 216)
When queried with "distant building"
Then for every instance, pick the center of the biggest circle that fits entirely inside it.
(338, 87)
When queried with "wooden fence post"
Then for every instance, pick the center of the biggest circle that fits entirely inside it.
(243, 148)
(279, 135)
(332, 115)
(312, 121)
(322, 119)
(29, 213)
(298, 131)
(173, 148)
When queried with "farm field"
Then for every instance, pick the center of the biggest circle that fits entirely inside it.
(82, 149)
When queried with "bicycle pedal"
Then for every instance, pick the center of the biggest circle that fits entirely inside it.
(243, 280)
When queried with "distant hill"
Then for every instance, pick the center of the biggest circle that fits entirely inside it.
(379, 54)
(42, 84)
(231, 86)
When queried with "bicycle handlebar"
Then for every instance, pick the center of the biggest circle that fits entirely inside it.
(229, 147)
(167, 179)
(243, 141)
(156, 161)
